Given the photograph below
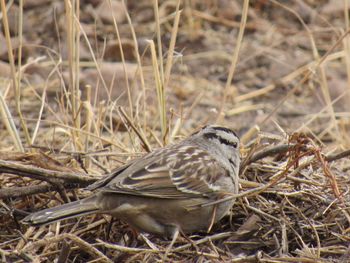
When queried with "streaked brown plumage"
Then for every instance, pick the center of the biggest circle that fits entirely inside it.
(161, 192)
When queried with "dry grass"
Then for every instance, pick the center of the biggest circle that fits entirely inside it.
(294, 201)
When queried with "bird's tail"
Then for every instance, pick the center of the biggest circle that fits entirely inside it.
(74, 209)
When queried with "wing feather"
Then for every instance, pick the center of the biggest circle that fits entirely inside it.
(180, 171)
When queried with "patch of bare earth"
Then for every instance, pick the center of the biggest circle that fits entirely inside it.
(87, 92)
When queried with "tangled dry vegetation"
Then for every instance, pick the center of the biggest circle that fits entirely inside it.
(83, 91)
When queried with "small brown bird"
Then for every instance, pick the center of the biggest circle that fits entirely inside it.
(163, 192)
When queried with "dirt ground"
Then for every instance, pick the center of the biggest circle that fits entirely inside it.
(85, 79)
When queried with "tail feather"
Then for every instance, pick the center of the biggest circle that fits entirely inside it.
(74, 209)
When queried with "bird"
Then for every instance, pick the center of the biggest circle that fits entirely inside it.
(174, 189)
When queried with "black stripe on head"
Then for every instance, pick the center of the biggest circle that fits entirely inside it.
(227, 130)
(212, 135)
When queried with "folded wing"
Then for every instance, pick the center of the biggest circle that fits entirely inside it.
(167, 175)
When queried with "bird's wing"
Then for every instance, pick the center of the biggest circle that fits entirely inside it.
(106, 179)
(180, 171)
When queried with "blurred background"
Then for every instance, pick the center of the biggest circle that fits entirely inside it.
(290, 73)
(91, 82)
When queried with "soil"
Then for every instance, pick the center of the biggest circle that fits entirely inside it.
(290, 86)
